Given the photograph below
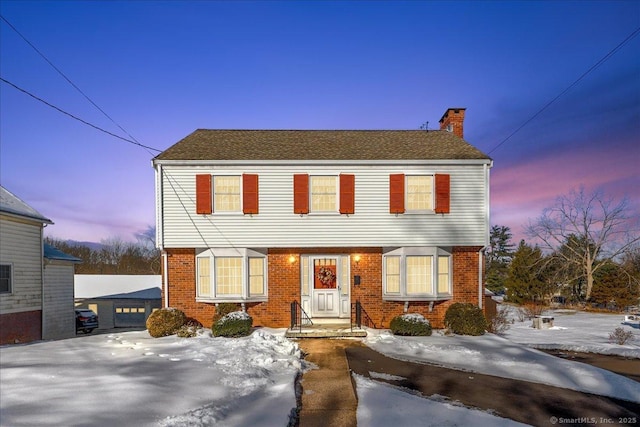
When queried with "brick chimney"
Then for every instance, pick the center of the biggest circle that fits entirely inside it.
(452, 121)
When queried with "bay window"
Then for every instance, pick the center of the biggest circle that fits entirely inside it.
(417, 274)
(231, 275)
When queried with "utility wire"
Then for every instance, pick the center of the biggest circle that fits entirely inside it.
(77, 118)
(596, 65)
(133, 140)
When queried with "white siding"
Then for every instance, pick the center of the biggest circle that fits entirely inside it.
(58, 318)
(21, 246)
(277, 226)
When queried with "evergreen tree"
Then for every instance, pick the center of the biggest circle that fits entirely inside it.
(498, 258)
(527, 280)
(613, 288)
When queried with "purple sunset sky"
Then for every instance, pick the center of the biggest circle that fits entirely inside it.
(164, 69)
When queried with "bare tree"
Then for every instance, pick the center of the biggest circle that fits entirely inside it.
(596, 228)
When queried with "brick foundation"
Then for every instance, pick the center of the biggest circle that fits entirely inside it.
(284, 286)
(20, 327)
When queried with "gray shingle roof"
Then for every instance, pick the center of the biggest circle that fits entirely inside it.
(12, 204)
(54, 253)
(207, 144)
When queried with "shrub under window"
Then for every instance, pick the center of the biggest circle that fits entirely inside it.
(413, 324)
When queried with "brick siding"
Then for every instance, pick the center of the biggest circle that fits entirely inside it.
(20, 327)
(284, 286)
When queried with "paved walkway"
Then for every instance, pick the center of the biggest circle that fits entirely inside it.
(328, 397)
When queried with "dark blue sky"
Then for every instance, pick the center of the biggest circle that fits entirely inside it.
(163, 69)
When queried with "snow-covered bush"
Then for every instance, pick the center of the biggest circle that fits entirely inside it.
(165, 321)
(620, 336)
(223, 309)
(234, 324)
(465, 319)
(190, 328)
(412, 324)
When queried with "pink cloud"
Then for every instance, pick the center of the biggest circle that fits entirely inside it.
(520, 192)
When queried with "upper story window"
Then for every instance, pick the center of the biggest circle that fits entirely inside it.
(231, 275)
(324, 191)
(417, 274)
(227, 194)
(324, 194)
(419, 193)
(6, 286)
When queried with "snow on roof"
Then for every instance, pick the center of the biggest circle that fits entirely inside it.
(12, 204)
(146, 294)
(102, 285)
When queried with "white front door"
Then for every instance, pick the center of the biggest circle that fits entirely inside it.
(325, 290)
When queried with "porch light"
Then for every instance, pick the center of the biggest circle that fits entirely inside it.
(357, 259)
(292, 259)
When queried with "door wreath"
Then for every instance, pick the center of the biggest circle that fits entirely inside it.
(326, 277)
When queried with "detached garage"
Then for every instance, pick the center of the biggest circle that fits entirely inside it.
(120, 301)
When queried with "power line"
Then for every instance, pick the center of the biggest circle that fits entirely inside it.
(596, 65)
(133, 140)
(77, 118)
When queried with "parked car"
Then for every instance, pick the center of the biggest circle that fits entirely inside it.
(86, 320)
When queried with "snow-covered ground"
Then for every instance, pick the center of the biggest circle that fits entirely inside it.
(130, 378)
(513, 355)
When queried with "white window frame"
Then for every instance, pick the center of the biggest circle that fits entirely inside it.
(245, 295)
(403, 295)
(10, 284)
(406, 194)
(336, 207)
(217, 211)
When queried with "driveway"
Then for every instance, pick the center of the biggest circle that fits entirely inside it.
(522, 401)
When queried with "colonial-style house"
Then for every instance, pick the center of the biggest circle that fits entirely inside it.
(395, 221)
(36, 281)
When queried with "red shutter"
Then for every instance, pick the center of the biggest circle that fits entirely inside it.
(347, 193)
(249, 193)
(301, 193)
(203, 194)
(396, 193)
(442, 193)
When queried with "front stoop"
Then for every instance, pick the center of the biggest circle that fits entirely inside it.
(326, 331)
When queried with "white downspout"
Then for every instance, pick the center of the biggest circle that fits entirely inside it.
(160, 233)
(165, 278)
(487, 199)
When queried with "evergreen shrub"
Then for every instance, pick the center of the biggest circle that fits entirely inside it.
(413, 324)
(465, 319)
(165, 321)
(232, 325)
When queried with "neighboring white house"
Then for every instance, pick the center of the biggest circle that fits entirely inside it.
(58, 315)
(21, 269)
(118, 300)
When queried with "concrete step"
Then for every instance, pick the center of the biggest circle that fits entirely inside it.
(325, 331)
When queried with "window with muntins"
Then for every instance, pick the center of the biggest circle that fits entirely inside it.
(231, 275)
(417, 274)
(5, 279)
(226, 194)
(419, 193)
(323, 193)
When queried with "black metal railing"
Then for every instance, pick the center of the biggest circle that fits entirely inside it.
(298, 316)
(360, 317)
